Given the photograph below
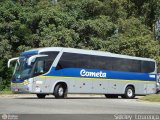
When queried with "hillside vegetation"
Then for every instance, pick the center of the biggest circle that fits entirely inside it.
(118, 26)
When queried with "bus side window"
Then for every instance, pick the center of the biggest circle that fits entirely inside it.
(42, 67)
(39, 69)
(147, 66)
(48, 65)
(59, 66)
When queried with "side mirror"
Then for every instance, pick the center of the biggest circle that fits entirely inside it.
(32, 58)
(11, 60)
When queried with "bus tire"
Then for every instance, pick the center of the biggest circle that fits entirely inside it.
(60, 91)
(129, 92)
(41, 96)
(158, 92)
(111, 96)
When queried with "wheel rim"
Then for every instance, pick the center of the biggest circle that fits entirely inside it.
(60, 91)
(129, 93)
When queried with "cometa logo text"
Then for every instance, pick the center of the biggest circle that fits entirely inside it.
(93, 74)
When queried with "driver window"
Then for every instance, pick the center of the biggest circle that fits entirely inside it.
(39, 69)
(42, 66)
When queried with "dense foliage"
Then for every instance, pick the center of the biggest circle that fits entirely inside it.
(118, 26)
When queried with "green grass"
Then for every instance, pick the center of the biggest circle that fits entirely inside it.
(5, 92)
(151, 98)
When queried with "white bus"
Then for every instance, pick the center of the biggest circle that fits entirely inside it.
(59, 71)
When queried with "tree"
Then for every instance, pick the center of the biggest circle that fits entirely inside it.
(119, 26)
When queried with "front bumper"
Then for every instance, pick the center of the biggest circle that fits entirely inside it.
(23, 87)
(158, 90)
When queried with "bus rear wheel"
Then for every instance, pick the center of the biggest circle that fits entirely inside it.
(129, 93)
(41, 96)
(158, 92)
(60, 91)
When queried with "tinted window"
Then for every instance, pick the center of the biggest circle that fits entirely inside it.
(72, 60)
(39, 68)
(128, 65)
(42, 65)
(51, 55)
(147, 66)
(49, 59)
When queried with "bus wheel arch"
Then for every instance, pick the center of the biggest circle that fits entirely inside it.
(129, 92)
(60, 90)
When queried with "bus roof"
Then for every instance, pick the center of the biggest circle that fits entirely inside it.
(82, 51)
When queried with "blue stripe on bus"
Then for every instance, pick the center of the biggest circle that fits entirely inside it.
(17, 80)
(29, 52)
(75, 72)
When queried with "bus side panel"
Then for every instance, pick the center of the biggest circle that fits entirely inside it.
(39, 85)
(54, 81)
(116, 87)
(83, 86)
(100, 86)
(151, 88)
(140, 88)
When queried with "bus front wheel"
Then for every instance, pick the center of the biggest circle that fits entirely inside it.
(129, 93)
(60, 91)
(40, 96)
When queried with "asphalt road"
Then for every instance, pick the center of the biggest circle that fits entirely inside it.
(75, 104)
(75, 107)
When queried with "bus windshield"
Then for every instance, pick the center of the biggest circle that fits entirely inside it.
(38, 66)
(22, 70)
